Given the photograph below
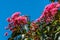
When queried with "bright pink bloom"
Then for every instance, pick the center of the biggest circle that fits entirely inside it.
(50, 6)
(21, 19)
(6, 34)
(54, 11)
(58, 5)
(47, 10)
(15, 15)
(15, 22)
(9, 19)
(16, 19)
(50, 10)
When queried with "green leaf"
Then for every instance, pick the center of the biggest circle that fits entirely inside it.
(38, 32)
(58, 29)
(55, 22)
(45, 31)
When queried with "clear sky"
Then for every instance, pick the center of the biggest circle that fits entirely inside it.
(32, 8)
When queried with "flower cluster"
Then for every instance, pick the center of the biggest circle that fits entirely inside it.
(46, 27)
(16, 21)
(49, 11)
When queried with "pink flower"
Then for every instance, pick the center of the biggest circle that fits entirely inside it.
(47, 9)
(54, 11)
(9, 19)
(15, 22)
(50, 6)
(6, 34)
(21, 19)
(15, 15)
(16, 19)
(58, 5)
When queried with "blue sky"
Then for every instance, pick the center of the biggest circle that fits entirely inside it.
(32, 8)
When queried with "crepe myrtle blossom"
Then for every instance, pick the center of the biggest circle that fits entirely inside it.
(9, 19)
(21, 19)
(17, 19)
(15, 15)
(58, 5)
(46, 11)
(54, 11)
(50, 6)
(49, 11)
